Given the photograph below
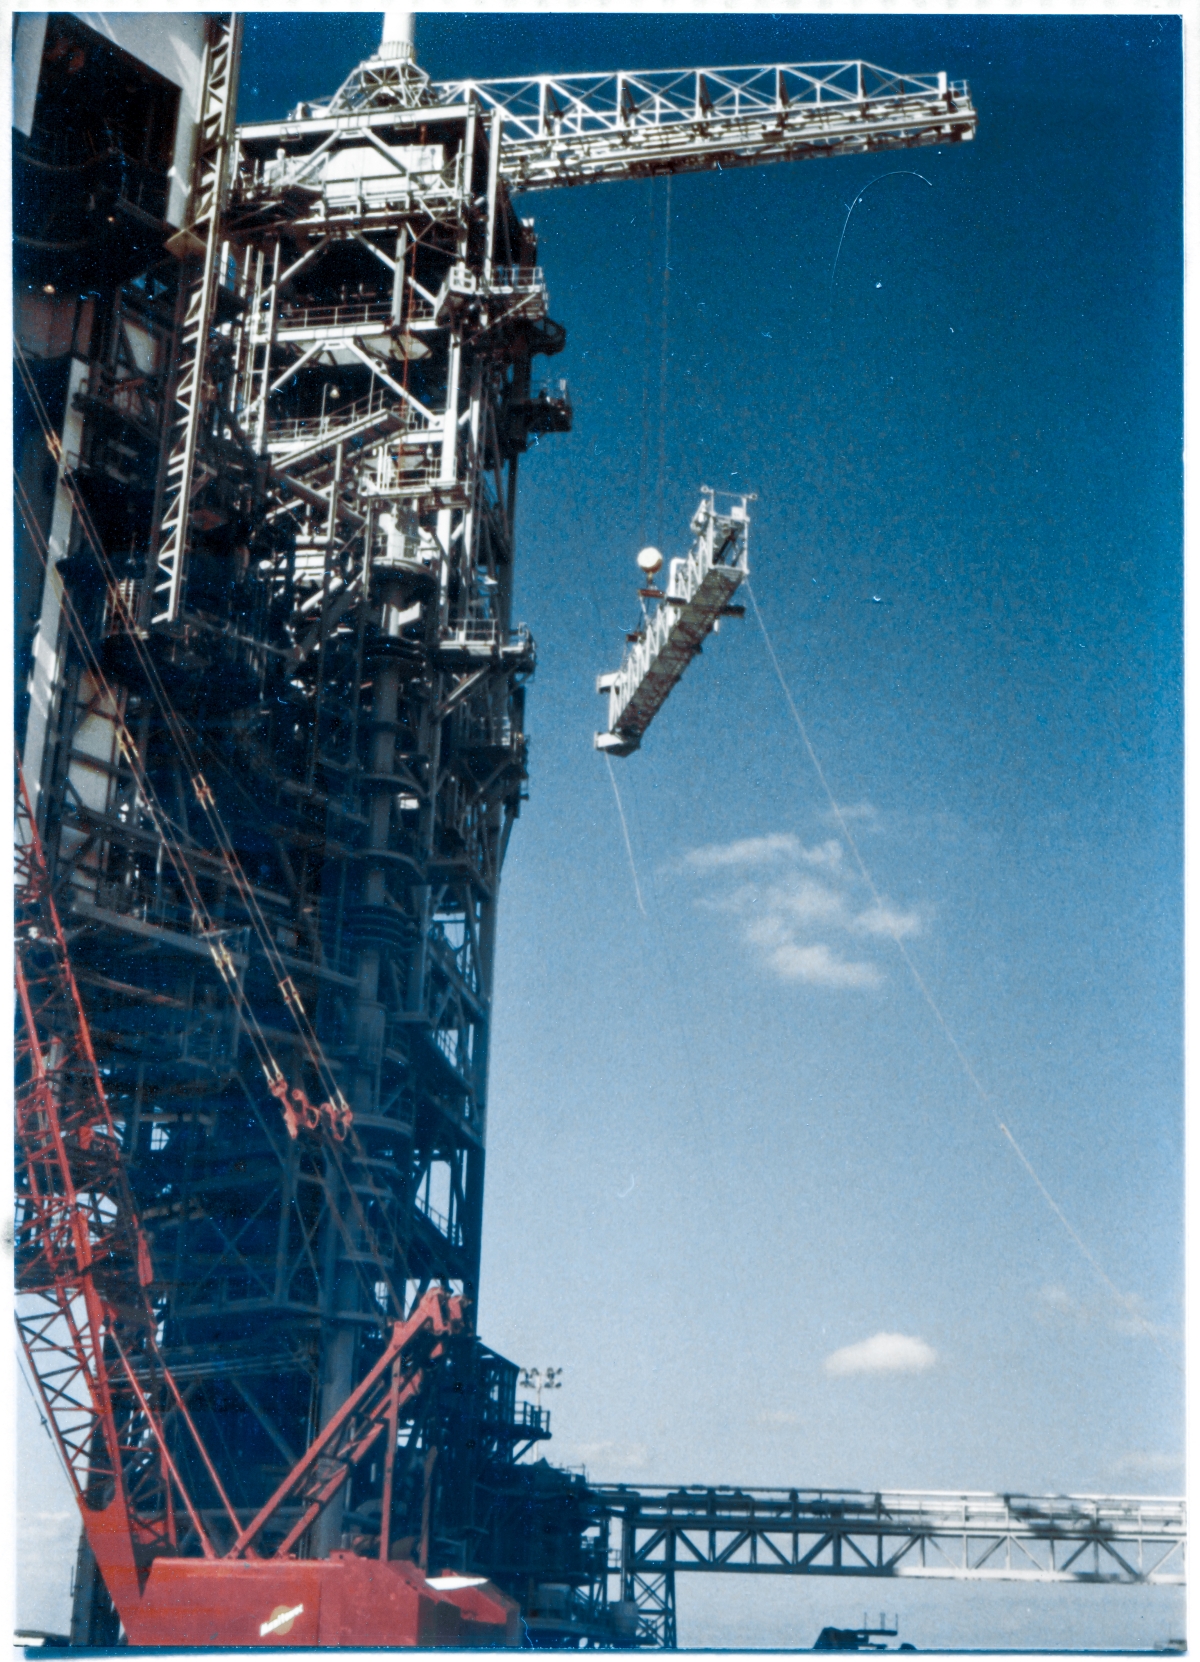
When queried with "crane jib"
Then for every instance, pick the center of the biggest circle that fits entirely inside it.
(565, 130)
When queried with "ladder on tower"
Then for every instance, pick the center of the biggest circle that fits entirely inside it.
(199, 246)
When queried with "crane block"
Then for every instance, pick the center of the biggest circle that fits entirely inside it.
(699, 589)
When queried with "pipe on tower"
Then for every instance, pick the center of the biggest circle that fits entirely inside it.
(397, 26)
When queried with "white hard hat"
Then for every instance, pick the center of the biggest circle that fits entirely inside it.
(650, 561)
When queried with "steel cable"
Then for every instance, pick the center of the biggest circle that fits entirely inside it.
(206, 926)
(1124, 1300)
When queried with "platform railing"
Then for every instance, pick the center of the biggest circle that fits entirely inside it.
(517, 277)
(319, 318)
(334, 417)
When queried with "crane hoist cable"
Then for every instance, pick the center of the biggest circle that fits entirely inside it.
(1125, 1301)
(208, 929)
(213, 936)
(663, 367)
(297, 1110)
(88, 1328)
(81, 1251)
(340, 1113)
(178, 733)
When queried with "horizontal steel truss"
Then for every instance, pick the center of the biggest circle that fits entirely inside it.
(623, 124)
(962, 1537)
(565, 130)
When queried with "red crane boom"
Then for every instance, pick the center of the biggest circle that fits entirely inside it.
(88, 1329)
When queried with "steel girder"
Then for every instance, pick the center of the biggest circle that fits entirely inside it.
(567, 130)
(962, 1537)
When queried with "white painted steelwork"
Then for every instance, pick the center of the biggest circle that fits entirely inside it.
(568, 129)
(958, 1535)
(699, 588)
(198, 246)
(376, 557)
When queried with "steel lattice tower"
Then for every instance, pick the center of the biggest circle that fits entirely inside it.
(323, 600)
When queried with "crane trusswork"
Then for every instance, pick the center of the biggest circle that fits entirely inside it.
(182, 1571)
(699, 589)
(572, 129)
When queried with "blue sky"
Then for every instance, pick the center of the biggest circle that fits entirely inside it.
(728, 1139)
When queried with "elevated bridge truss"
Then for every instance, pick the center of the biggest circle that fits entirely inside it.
(665, 1532)
(572, 129)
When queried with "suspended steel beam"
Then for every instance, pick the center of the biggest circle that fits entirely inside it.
(699, 589)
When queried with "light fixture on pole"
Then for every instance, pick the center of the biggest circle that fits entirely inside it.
(537, 1380)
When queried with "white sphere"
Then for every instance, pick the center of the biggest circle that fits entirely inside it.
(650, 561)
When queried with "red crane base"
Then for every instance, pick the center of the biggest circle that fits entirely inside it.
(294, 1603)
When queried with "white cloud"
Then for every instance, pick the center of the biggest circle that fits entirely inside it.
(1057, 1299)
(806, 902)
(882, 1353)
(741, 900)
(761, 851)
(774, 929)
(795, 918)
(1129, 1318)
(748, 851)
(885, 920)
(778, 1416)
(819, 967)
(825, 854)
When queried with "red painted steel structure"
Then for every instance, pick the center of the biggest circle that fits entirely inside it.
(88, 1331)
